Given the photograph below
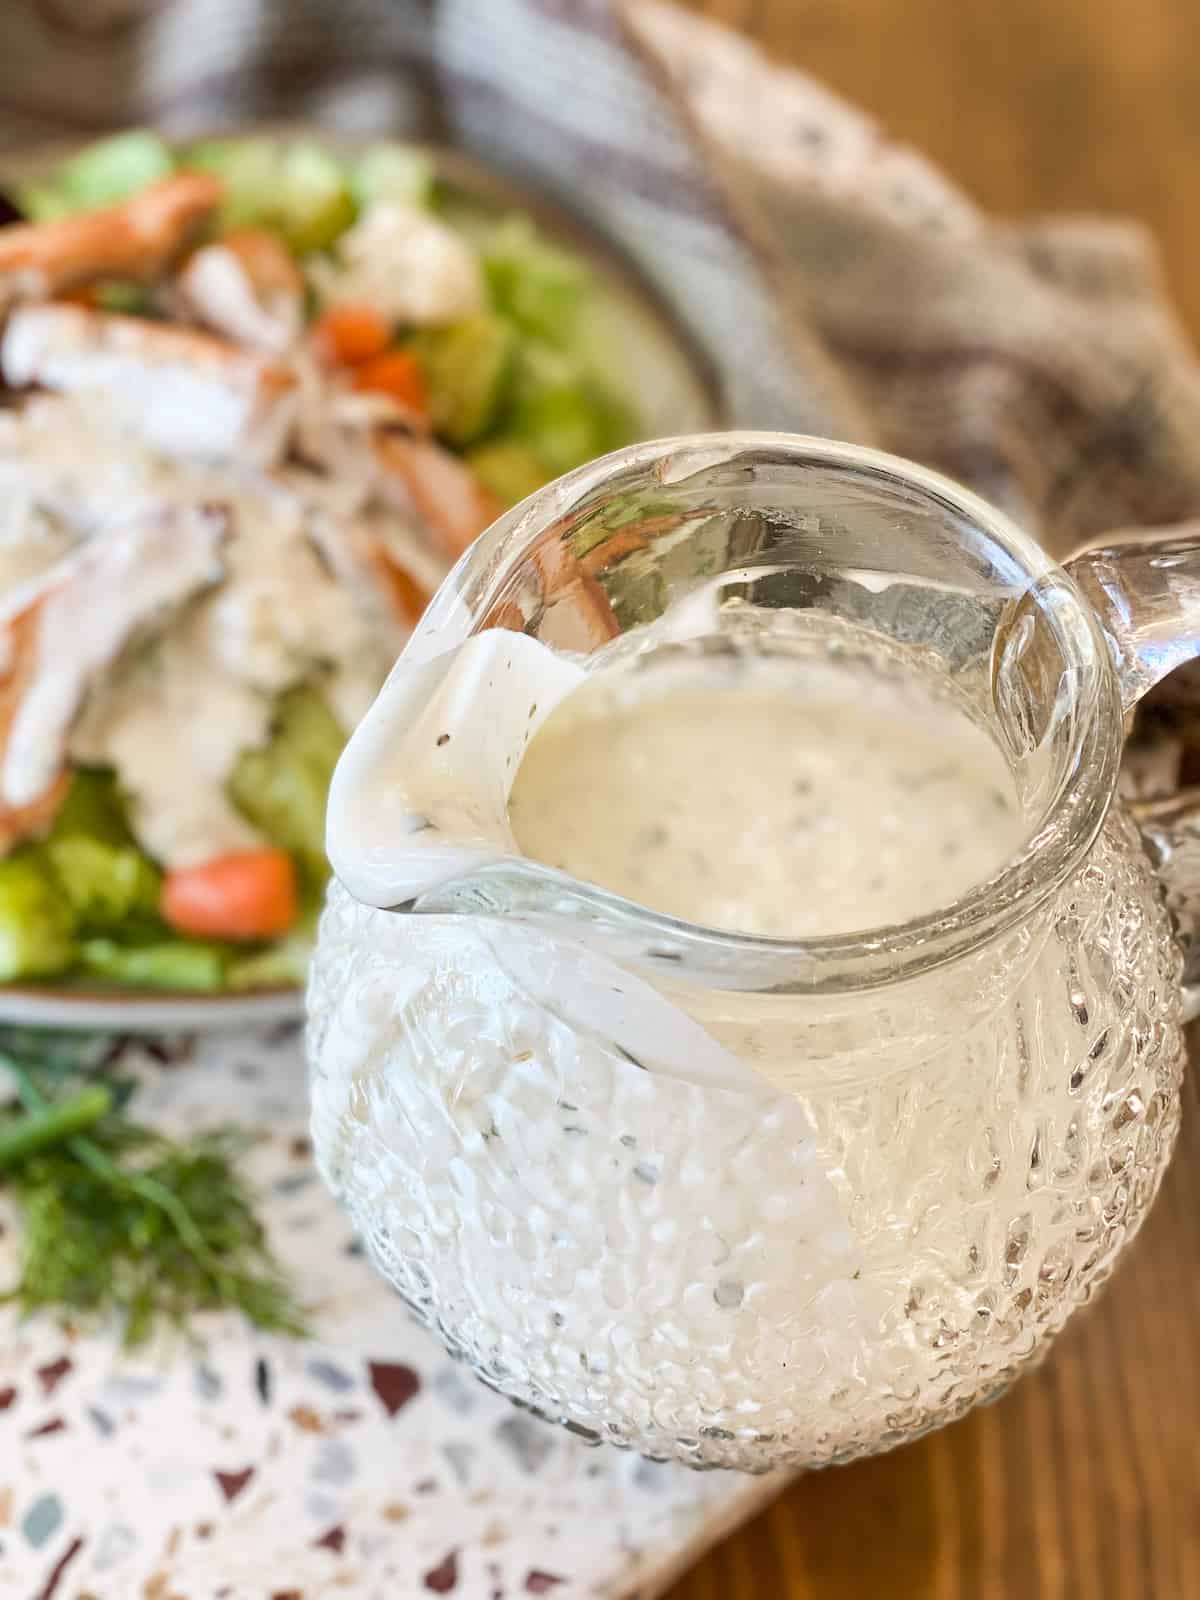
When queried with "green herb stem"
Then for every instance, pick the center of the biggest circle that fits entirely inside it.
(46, 1124)
(119, 1217)
(158, 1195)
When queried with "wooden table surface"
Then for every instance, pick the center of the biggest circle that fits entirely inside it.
(1084, 1480)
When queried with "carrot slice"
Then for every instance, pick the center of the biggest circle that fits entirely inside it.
(396, 373)
(347, 335)
(250, 894)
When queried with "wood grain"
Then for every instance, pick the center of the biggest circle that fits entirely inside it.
(1083, 1482)
(1032, 105)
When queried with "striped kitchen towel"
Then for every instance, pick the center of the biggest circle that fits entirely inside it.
(838, 282)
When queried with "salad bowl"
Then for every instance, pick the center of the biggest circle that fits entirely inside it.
(140, 966)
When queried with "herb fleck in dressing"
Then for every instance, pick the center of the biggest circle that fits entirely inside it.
(767, 798)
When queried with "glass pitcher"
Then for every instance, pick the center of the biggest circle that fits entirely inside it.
(755, 1202)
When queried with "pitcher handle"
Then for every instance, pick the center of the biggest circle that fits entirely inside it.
(1145, 590)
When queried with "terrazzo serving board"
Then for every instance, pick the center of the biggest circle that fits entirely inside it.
(364, 1465)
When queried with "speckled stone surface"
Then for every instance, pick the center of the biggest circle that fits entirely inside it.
(365, 1464)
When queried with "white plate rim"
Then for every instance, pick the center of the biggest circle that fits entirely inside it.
(41, 1006)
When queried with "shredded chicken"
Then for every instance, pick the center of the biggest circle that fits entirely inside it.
(197, 515)
(247, 288)
(421, 477)
(81, 616)
(186, 393)
(136, 240)
(20, 642)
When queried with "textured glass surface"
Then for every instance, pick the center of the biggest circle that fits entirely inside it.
(646, 1261)
(951, 1127)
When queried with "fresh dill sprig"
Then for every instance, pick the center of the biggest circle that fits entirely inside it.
(121, 1220)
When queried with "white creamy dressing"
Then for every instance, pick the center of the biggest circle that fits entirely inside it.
(770, 797)
(406, 265)
(767, 794)
(220, 292)
(63, 471)
(173, 388)
(91, 607)
(32, 538)
(176, 784)
(173, 717)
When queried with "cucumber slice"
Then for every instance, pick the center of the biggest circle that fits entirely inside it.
(282, 787)
(94, 807)
(170, 964)
(106, 886)
(393, 172)
(561, 412)
(248, 168)
(540, 287)
(508, 469)
(315, 203)
(553, 411)
(113, 169)
(280, 965)
(37, 930)
(300, 190)
(109, 884)
(467, 367)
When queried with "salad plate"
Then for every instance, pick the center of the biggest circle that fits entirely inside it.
(173, 887)
(144, 1011)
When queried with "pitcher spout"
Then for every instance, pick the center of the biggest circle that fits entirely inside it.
(418, 803)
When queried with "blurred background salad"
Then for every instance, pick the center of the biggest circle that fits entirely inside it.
(259, 393)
